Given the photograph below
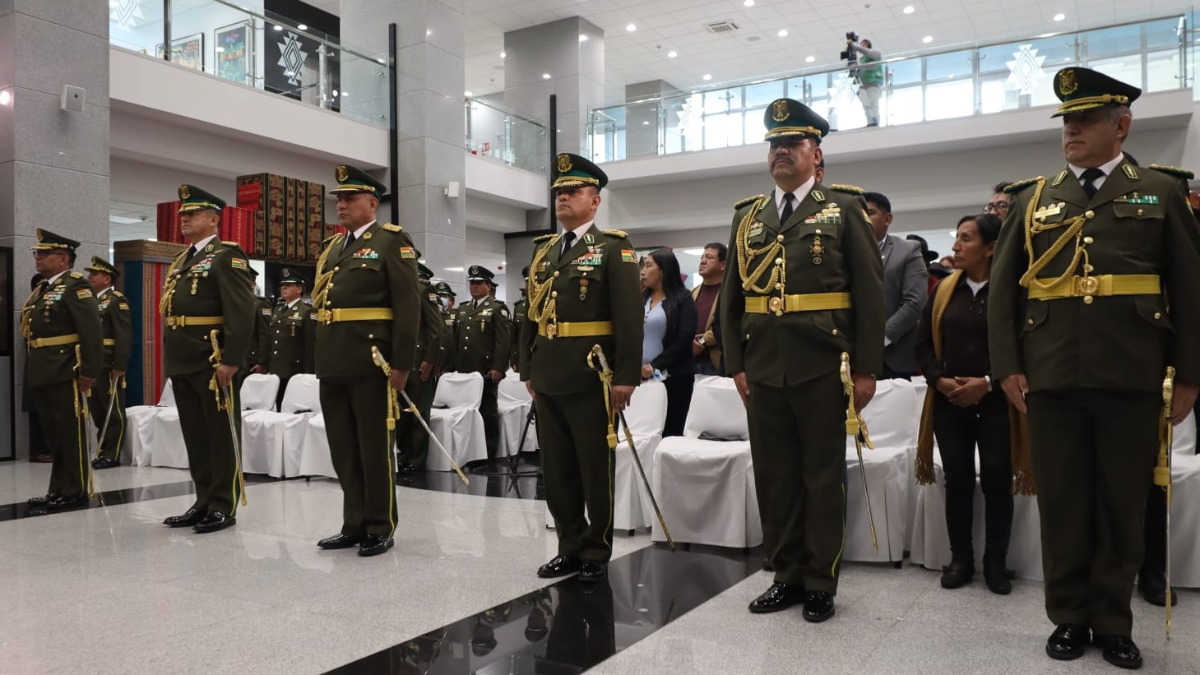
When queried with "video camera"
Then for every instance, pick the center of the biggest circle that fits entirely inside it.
(850, 56)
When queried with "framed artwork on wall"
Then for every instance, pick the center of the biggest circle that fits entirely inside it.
(187, 51)
(233, 47)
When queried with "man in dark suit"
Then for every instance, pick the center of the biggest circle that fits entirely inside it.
(905, 284)
(1081, 335)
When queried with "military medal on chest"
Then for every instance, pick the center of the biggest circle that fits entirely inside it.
(817, 249)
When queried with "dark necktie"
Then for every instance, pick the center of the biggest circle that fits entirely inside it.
(349, 242)
(191, 252)
(568, 242)
(1089, 177)
(787, 207)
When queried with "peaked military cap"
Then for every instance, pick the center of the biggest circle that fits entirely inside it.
(353, 179)
(101, 265)
(48, 241)
(194, 199)
(443, 288)
(574, 171)
(287, 276)
(423, 271)
(480, 273)
(788, 117)
(1084, 89)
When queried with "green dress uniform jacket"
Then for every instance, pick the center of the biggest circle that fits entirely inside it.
(446, 343)
(56, 310)
(482, 333)
(260, 340)
(824, 254)
(595, 281)
(520, 309)
(374, 276)
(205, 292)
(411, 437)
(293, 340)
(118, 344)
(1095, 349)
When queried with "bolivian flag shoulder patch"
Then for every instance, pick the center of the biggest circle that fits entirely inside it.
(83, 294)
(628, 255)
(238, 263)
(407, 252)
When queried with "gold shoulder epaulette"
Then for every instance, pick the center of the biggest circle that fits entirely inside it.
(544, 237)
(848, 189)
(748, 200)
(76, 275)
(619, 234)
(232, 244)
(1022, 184)
(1173, 171)
(392, 228)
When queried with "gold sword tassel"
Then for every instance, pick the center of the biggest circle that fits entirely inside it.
(1162, 472)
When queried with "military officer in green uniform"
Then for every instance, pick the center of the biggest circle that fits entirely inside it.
(1081, 334)
(367, 300)
(260, 340)
(445, 298)
(806, 288)
(62, 334)
(207, 296)
(117, 345)
(411, 437)
(293, 331)
(520, 308)
(482, 334)
(584, 291)
(446, 295)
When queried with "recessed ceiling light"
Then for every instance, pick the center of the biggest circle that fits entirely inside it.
(707, 77)
(453, 269)
(302, 26)
(672, 54)
(428, 32)
(278, 27)
(503, 54)
(468, 93)
(909, 9)
(782, 32)
(927, 39)
(631, 27)
(748, 3)
(1060, 16)
(582, 38)
(545, 76)
(645, 122)
(345, 94)
(809, 59)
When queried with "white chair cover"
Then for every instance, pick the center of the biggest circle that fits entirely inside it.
(1185, 507)
(315, 459)
(272, 441)
(259, 391)
(706, 488)
(893, 430)
(136, 421)
(459, 426)
(514, 403)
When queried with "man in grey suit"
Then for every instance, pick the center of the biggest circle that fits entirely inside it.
(904, 290)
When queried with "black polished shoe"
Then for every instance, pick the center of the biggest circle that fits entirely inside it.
(374, 544)
(561, 566)
(1153, 587)
(1067, 642)
(62, 503)
(957, 574)
(778, 597)
(105, 463)
(818, 606)
(1119, 651)
(213, 521)
(42, 501)
(340, 540)
(408, 469)
(188, 519)
(996, 577)
(593, 571)
(767, 566)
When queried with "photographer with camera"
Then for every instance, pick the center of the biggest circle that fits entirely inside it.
(870, 77)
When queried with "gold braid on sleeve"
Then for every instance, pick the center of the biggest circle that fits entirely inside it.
(769, 253)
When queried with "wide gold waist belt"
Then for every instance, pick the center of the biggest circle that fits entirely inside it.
(56, 341)
(576, 329)
(109, 342)
(184, 321)
(328, 316)
(805, 302)
(1101, 286)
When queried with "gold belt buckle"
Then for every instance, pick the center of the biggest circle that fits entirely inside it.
(1087, 287)
(775, 304)
(324, 316)
(551, 329)
(173, 322)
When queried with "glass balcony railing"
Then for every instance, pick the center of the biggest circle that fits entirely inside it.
(515, 140)
(244, 44)
(1156, 55)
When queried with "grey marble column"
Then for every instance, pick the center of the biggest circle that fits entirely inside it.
(575, 68)
(645, 121)
(431, 75)
(53, 163)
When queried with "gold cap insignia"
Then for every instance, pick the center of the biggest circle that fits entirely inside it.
(779, 110)
(40, 235)
(184, 192)
(564, 163)
(1066, 82)
(342, 173)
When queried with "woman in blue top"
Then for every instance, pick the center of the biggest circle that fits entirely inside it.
(670, 326)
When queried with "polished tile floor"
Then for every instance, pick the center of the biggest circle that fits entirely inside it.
(109, 589)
